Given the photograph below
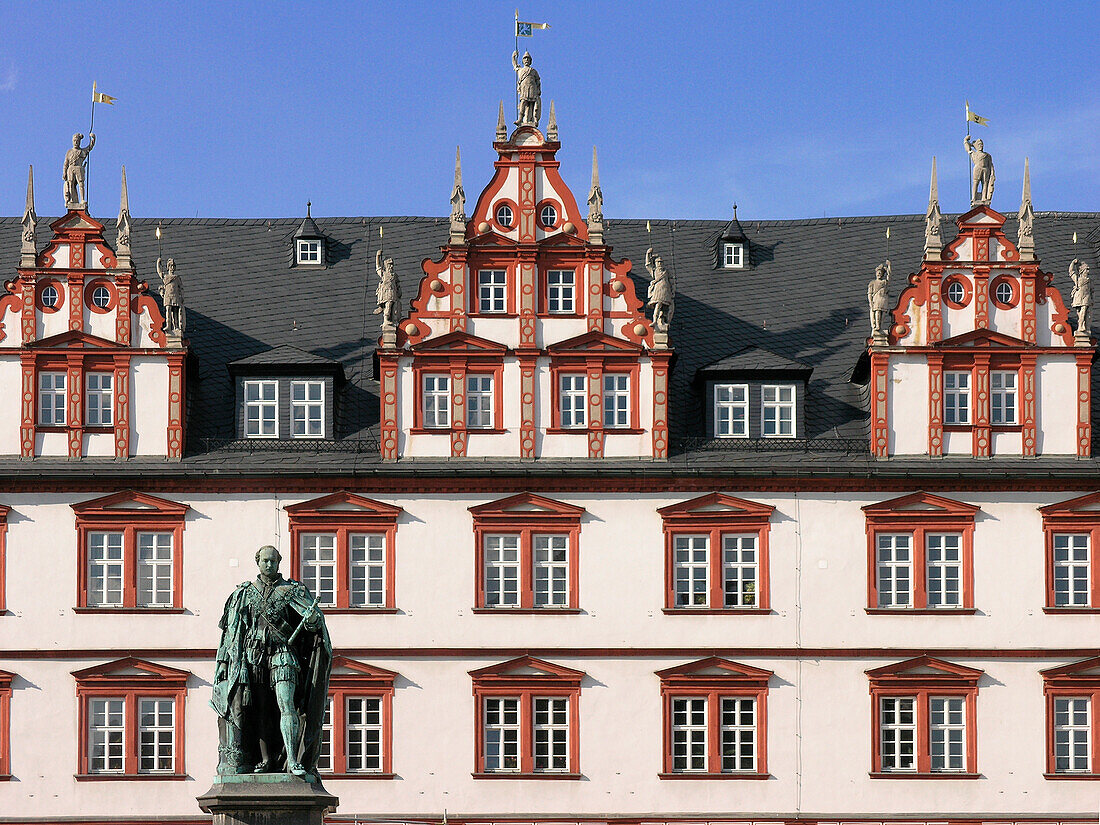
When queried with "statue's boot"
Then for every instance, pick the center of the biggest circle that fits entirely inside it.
(290, 728)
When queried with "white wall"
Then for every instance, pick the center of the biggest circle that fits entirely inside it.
(148, 406)
(11, 408)
(1056, 413)
(907, 405)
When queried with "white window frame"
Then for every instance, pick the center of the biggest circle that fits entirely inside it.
(777, 406)
(265, 409)
(367, 570)
(728, 409)
(436, 388)
(1072, 736)
(741, 567)
(502, 576)
(319, 558)
(51, 387)
(307, 410)
(548, 224)
(959, 289)
(480, 414)
(888, 583)
(105, 293)
(550, 576)
(950, 750)
(362, 733)
(492, 291)
(689, 734)
(1011, 293)
(896, 732)
(943, 561)
(561, 291)
(106, 568)
(1072, 573)
(155, 568)
(507, 735)
(733, 256)
(157, 734)
(109, 736)
(503, 211)
(99, 399)
(1003, 385)
(573, 388)
(686, 570)
(956, 398)
(616, 400)
(738, 735)
(550, 735)
(324, 753)
(309, 251)
(50, 296)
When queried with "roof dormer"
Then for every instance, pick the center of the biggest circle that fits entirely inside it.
(286, 393)
(309, 243)
(731, 249)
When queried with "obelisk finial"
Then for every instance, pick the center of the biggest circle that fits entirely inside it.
(502, 128)
(933, 237)
(595, 204)
(1025, 239)
(552, 124)
(29, 248)
(124, 224)
(458, 203)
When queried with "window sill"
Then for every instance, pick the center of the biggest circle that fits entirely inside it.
(476, 314)
(1085, 776)
(5, 777)
(517, 775)
(720, 776)
(914, 775)
(452, 430)
(51, 428)
(123, 611)
(716, 611)
(129, 777)
(921, 611)
(530, 611)
(364, 775)
(585, 430)
(1071, 610)
(358, 611)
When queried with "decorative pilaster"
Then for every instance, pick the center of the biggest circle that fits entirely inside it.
(175, 405)
(27, 405)
(74, 412)
(935, 405)
(526, 197)
(458, 290)
(595, 412)
(75, 286)
(528, 321)
(28, 322)
(1084, 403)
(388, 407)
(1029, 433)
(981, 297)
(982, 433)
(458, 409)
(123, 283)
(594, 268)
(880, 433)
(1028, 323)
(935, 307)
(660, 408)
(122, 406)
(527, 433)
(981, 244)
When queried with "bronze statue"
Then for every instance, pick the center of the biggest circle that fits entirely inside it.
(388, 292)
(72, 172)
(530, 91)
(981, 190)
(879, 302)
(171, 291)
(661, 294)
(271, 675)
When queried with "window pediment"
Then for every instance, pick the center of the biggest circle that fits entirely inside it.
(126, 504)
(526, 506)
(343, 505)
(926, 669)
(594, 343)
(527, 670)
(1083, 673)
(981, 338)
(1083, 508)
(920, 506)
(74, 339)
(717, 507)
(460, 343)
(131, 671)
(715, 670)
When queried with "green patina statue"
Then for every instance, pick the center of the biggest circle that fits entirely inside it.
(271, 677)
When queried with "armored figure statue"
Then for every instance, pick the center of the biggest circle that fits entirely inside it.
(530, 91)
(662, 291)
(389, 290)
(72, 173)
(878, 301)
(981, 190)
(271, 675)
(1081, 300)
(171, 292)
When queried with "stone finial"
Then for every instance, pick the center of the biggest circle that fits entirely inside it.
(528, 92)
(661, 294)
(502, 128)
(1025, 238)
(595, 204)
(983, 177)
(171, 292)
(933, 236)
(124, 224)
(552, 124)
(878, 301)
(29, 248)
(1081, 300)
(458, 203)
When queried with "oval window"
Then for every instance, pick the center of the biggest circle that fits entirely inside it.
(101, 297)
(548, 216)
(504, 215)
(956, 294)
(1004, 293)
(49, 296)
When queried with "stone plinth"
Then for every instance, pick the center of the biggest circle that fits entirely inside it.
(267, 799)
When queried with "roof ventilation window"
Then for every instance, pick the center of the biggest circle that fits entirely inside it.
(309, 243)
(732, 248)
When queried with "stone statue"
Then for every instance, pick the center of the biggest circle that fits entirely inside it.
(458, 196)
(879, 302)
(530, 91)
(981, 190)
(72, 173)
(271, 675)
(171, 292)
(1081, 299)
(389, 290)
(662, 291)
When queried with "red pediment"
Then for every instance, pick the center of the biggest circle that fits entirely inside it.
(1082, 508)
(4, 510)
(926, 669)
(74, 339)
(527, 670)
(594, 342)
(490, 239)
(916, 506)
(350, 673)
(5, 680)
(717, 507)
(343, 505)
(77, 220)
(982, 217)
(526, 506)
(714, 670)
(982, 338)
(128, 504)
(1085, 673)
(459, 343)
(129, 671)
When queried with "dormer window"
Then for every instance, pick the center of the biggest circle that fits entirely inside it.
(777, 410)
(733, 255)
(753, 393)
(309, 252)
(309, 242)
(285, 393)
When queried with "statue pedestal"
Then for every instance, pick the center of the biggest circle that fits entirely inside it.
(267, 799)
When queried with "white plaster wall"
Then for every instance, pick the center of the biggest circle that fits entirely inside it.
(140, 327)
(501, 330)
(958, 443)
(93, 256)
(958, 321)
(148, 406)
(1006, 321)
(61, 257)
(99, 444)
(100, 324)
(1008, 443)
(1056, 416)
(907, 405)
(51, 444)
(11, 321)
(965, 251)
(11, 412)
(552, 330)
(54, 323)
(918, 332)
(1044, 336)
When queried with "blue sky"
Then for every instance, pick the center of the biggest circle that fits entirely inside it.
(789, 109)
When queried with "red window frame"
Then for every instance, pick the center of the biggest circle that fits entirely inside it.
(716, 515)
(494, 262)
(968, 290)
(923, 678)
(4, 510)
(903, 515)
(526, 679)
(1072, 516)
(76, 367)
(594, 354)
(331, 514)
(525, 515)
(1077, 680)
(353, 680)
(118, 680)
(41, 286)
(715, 679)
(554, 261)
(111, 513)
(92, 286)
(5, 725)
(1013, 283)
(457, 355)
(980, 369)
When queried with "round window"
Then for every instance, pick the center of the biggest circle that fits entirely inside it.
(548, 216)
(101, 297)
(504, 215)
(1003, 293)
(49, 296)
(956, 294)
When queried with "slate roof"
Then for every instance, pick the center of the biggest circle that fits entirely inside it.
(804, 300)
(284, 355)
(754, 359)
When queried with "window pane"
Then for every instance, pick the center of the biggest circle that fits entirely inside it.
(551, 734)
(307, 409)
(944, 557)
(898, 733)
(502, 571)
(501, 734)
(777, 411)
(105, 569)
(261, 409)
(894, 569)
(106, 734)
(154, 569)
(1072, 559)
(479, 401)
(437, 400)
(157, 735)
(691, 570)
(731, 410)
(616, 401)
(738, 735)
(739, 570)
(947, 718)
(550, 556)
(318, 554)
(324, 756)
(367, 570)
(363, 734)
(689, 735)
(571, 397)
(560, 291)
(1072, 734)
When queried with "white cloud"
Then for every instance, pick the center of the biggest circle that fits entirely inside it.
(9, 78)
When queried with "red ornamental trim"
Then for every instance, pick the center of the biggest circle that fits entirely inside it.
(527, 322)
(122, 308)
(935, 405)
(1013, 284)
(880, 425)
(982, 434)
(1027, 310)
(660, 409)
(527, 433)
(122, 406)
(76, 301)
(144, 303)
(527, 218)
(29, 319)
(388, 387)
(569, 213)
(90, 289)
(26, 427)
(40, 287)
(9, 303)
(981, 298)
(175, 405)
(74, 388)
(1084, 403)
(1029, 431)
(964, 282)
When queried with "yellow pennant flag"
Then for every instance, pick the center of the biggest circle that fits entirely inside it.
(99, 97)
(975, 118)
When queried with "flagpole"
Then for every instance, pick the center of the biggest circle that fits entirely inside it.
(88, 161)
(515, 31)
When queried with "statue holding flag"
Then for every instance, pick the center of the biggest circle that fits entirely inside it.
(529, 89)
(981, 190)
(72, 172)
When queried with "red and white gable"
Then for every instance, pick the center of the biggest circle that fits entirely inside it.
(85, 367)
(981, 358)
(525, 339)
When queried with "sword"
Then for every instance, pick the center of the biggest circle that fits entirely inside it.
(302, 623)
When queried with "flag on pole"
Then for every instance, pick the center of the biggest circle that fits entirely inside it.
(525, 29)
(971, 117)
(99, 97)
